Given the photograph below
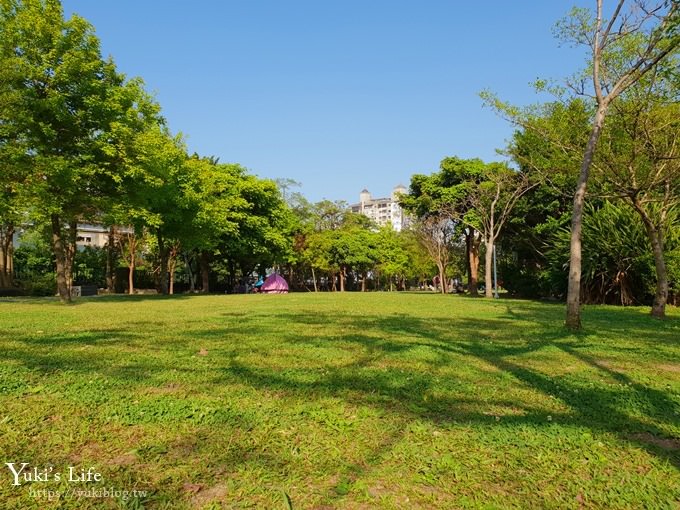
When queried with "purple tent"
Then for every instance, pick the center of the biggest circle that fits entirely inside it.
(274, 284)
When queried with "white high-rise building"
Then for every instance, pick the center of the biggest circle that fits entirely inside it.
(383, 211)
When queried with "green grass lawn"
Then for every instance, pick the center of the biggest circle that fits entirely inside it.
(340, 401)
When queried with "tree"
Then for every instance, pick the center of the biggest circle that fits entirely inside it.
(618, 267)
(316, 234)
(10, 215)
(317, 254)
(393, 258)
(457, 176)
(435, 200)
(129, 244)
(491, 201)
(436, 234)
(640, 163)
(62, 97)
(547, 147)
(241, 222)
(167, 198)
(623, 49)
(470, 194)
(151, 199)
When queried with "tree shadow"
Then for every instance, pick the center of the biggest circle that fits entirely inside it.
(425, 369)
(631, 410)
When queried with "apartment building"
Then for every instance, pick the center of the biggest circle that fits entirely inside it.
(383, 211)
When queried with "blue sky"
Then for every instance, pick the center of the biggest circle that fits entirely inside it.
(337, 95)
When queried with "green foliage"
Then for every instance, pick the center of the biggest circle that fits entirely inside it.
(548, 149)
(618, 266)
(393, 254)
(63, 103)
(353, 247)
(34, 265)
(447, 189)
(90, 266)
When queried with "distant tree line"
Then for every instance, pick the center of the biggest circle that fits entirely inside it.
(612, 130)
(82, 143)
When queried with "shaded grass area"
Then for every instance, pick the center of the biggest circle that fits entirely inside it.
(341, 401)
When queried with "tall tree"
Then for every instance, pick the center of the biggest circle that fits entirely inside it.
(436, 234)
(640, 163)
(241, 220)
(10, 216)
(546, 148)
(434, 200)
(61, 92)
(491, 201)
(393, 258)
(633, 40)
(469, 193)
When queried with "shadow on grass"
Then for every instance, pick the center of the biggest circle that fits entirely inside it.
(102, 298)
(395, 361)
(126, 298)
(632, 410)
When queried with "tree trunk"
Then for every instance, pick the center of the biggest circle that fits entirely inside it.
(127, 243)
(172, 266)
(468, 251)
(473, 263)
(6, 256)
(70, 253)
(163, 259)
(656, 240)
(131, 277)
(58, 250)
(171, 269)
(661, 297)
(110, 261)
(205, 272)
(573, 320)
(441, 270)
(488, 268)
(192, 278)
(363, 282)
(342, 279)
(316, 289)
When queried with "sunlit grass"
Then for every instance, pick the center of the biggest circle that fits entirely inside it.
(341, 401)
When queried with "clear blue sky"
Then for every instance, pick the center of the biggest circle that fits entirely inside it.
(338, 95)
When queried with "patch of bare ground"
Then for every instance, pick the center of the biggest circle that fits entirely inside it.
(168, 389)
(124, 459)
(668, 367)
(90, 450)
(665, 443)
(96, 451)
(201, 496)
(183, 448)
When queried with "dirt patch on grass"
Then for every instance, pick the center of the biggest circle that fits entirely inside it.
(88, 451)
(667, 367)
(97, 452)
(204, 496)
(183, 448)
(378, 491)
(665, 443)
(124, 459)
(168, 389)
